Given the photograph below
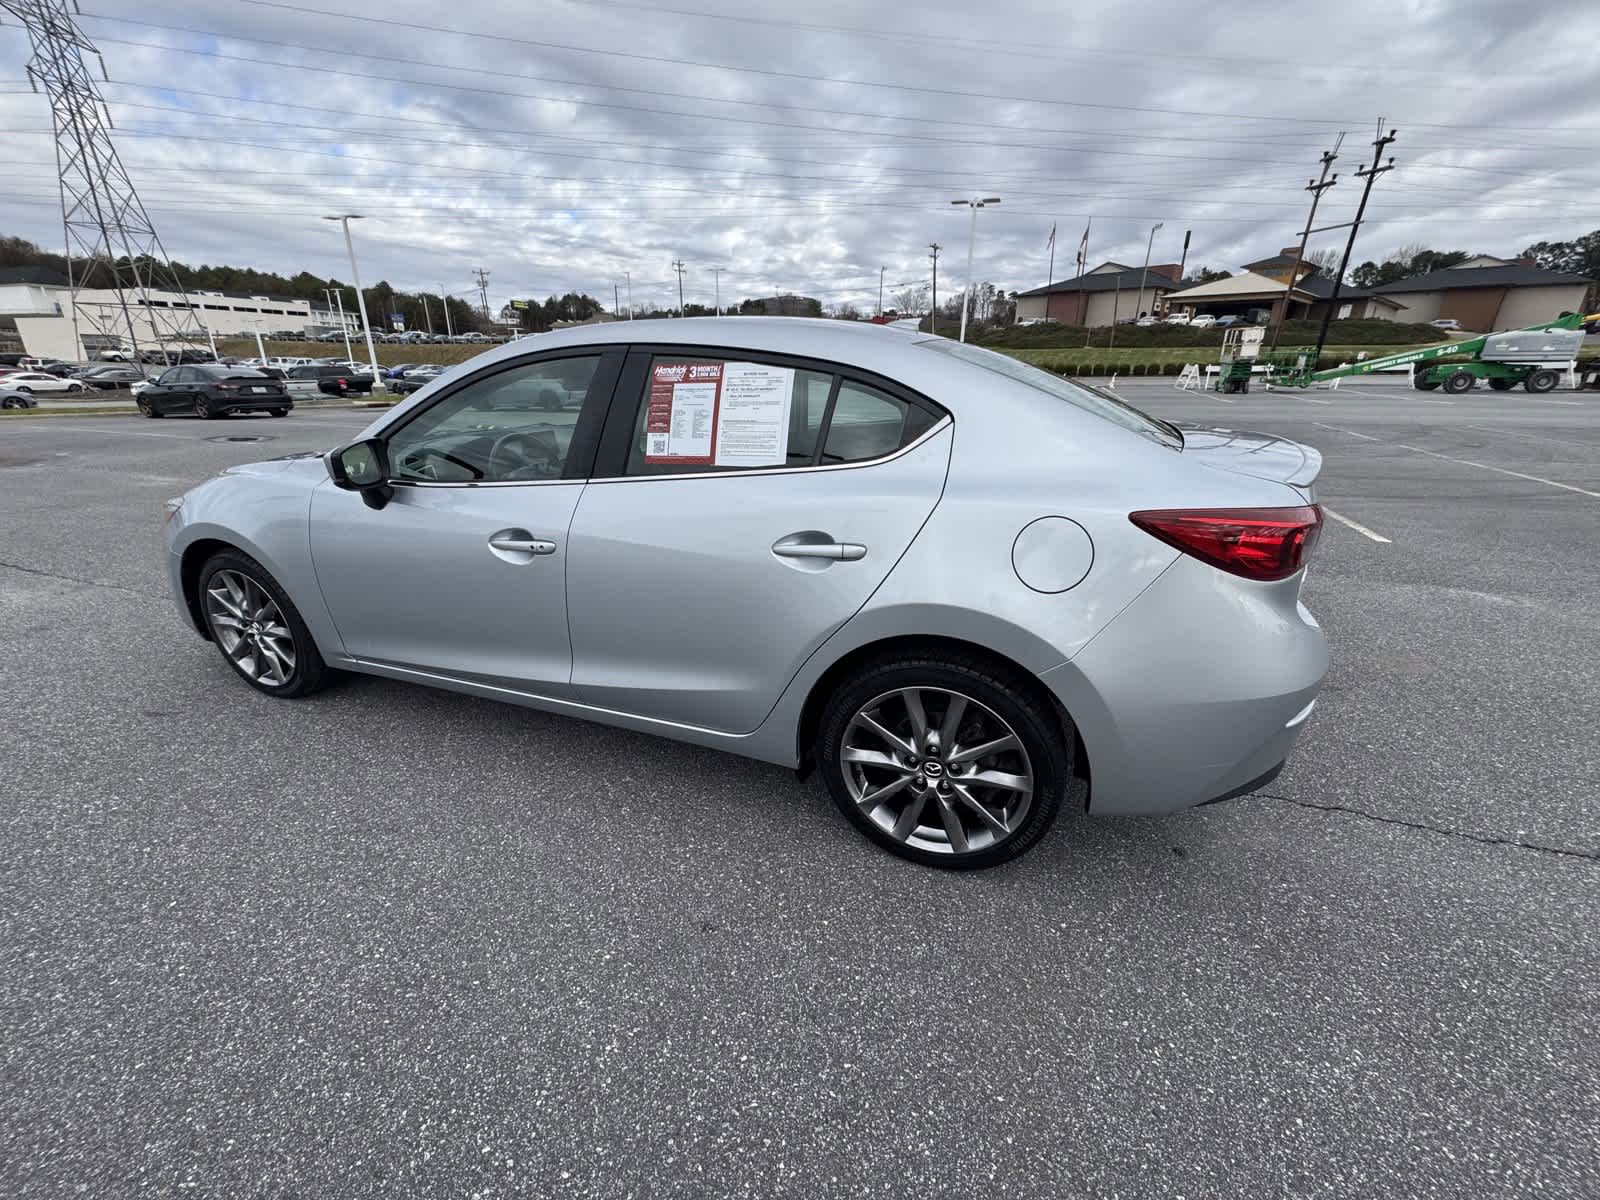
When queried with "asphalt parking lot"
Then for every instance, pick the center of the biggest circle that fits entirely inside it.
(393, 941)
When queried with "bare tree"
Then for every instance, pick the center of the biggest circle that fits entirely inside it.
(911, 299)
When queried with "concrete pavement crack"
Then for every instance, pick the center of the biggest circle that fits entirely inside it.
(1483, 839)
(115, 587)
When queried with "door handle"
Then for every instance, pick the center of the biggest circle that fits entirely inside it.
(521, 544)
(836, 551)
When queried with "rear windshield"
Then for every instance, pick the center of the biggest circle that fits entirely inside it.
(217, 372)
(1091, 400)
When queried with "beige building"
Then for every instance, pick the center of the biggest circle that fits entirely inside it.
(1253, 291)
(1109, 293)
(1486, 294)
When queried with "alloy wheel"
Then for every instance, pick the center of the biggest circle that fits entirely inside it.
(202, 409)
(937, 770)
(250, 628)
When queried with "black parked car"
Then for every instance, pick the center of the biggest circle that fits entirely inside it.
(111, 378)
(326, 378)
(209, 390)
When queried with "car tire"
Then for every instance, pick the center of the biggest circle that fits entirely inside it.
(233, 587)
(148, 409)
(1460, 381)
(280, 412)
(1544, 380)
(203, 410)
(13, 402)
(75, 387)
(913, 814)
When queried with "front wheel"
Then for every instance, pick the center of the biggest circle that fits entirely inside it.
(1543, 380)
(1460, 381)
(257, 627)
(148, 409)
(950, 761)
(75, 387)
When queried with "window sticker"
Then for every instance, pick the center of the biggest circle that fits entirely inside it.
(718, 414)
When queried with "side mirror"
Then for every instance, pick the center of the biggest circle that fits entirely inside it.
(362, 467)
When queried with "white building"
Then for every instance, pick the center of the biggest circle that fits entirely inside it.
(35, 303)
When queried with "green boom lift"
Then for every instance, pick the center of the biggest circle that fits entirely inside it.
(1533, 357)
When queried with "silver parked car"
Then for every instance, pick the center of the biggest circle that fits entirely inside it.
(963, 589)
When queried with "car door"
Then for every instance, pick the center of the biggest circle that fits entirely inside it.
(166, 393)
(462, 573)
(730, 530)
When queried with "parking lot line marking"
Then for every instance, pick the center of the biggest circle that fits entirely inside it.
(1467, 462)
(1420, 401)
(1357, 526)
(1566, 403)
(1313, 400)
(1364, 437)
(58, 425)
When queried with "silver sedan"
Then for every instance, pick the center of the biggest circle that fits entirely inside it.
(963, 590)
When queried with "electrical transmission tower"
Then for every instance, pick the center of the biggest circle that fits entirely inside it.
(115, 259)
(482, 276)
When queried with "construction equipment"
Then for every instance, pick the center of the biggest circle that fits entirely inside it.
(1240, 348)
(1534, 357)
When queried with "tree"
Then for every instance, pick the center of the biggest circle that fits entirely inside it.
(911, 299)
(847, 312)
(1324, 262)
(1204, 275)
(1409, 260)
(1581, 256)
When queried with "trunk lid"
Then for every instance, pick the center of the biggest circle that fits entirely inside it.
(1261, 455)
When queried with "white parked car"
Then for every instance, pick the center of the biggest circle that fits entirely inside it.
(1448, 323)
(1202, 321)
(1145, 322)
(1177, 318)
(40, 381)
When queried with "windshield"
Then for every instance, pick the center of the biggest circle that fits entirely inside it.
(1091, 400)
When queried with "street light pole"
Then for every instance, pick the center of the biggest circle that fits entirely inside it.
(628, 276)
(716, 274)
(1145, 273)
(972, 239)
(444, 303)
(361, 301)
(344, 326)
(881, 270)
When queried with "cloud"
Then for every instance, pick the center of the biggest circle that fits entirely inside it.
(788, 146)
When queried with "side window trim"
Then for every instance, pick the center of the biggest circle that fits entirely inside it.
(611, 463)
(586, 434)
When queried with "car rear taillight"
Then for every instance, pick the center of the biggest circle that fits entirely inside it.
(227, 387)
(1258, 543)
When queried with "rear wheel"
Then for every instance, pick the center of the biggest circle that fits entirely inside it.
(280, 412)
(1543, 380)
(1501, 385)
(202, 409)
(1459, 381)
(951, 761)
(257, 628)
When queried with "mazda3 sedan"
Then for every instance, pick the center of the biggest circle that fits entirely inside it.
(964, 590)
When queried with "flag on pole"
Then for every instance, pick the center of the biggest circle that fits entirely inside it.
(1083, 248)
(1051, 241)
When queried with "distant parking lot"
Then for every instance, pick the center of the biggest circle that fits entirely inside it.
(396, 941)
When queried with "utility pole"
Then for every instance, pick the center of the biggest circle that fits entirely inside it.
(1368, 174)
(716, 274)
(1184, 261)
(616, 300)
(444, 303)
(881, 270)
(628, 278)
(426, 315)
(1143, 275)
(933, 311)
(677, 265)
(482, 277)
(1316, 187)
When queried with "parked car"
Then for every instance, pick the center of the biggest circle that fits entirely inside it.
(305, 383)
(398, 370)
(62, 370)
(112, 378)
(1177, 318)
(11, 398)
(212, 390)
(1202, 321)
(1446, 323)
(1069, 602)
(1145, 322)
(414, 380)
(42, 381)
(1229, 321)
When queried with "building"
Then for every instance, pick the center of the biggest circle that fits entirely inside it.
(1109, 293)
(1486, 293)
(1249, 294)
(35, 309)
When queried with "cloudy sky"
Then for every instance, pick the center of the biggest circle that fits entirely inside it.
(565, 143)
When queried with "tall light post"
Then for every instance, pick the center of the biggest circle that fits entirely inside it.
(444, 303)
(716, 274)
(344, 220)
(337, 295)
(881, 270)
(1143, 274)
(972, 239)
(628, 277)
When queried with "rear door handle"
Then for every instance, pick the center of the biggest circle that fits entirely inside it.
(837, 551)
(521, 544)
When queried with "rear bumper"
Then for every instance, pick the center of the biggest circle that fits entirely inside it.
(233, 404)
(1194, 692)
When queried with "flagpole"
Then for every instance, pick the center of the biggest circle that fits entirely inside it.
(1051, 274)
